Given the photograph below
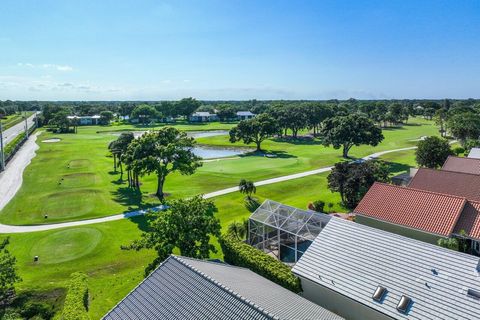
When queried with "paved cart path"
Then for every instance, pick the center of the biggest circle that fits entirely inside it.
(22, 229)
(12, 177)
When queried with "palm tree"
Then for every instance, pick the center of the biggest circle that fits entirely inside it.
(238, 229)
(247, 187)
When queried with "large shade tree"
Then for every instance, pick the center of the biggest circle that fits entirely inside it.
(163, 152)
(188, 225)
(352, 180)
(118, 148)
(432, 152)
(187, 106)
(144, 113)
(255, 130)
(348, 131)
(464, 125)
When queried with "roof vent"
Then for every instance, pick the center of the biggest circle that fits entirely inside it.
(403, 304)
(379, 294)
(473, 293)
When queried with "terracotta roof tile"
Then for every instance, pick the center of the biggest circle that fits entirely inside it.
(460, 184)
(458, 164)
(469, 220)
(418, 209)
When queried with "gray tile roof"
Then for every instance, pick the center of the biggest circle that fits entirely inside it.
(184, 288)
(474, 153)
(244, 113)
(353, 259)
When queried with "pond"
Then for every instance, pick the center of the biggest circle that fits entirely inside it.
(207, 152)
(218, 152)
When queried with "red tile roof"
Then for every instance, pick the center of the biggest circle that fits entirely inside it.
(460, 184)
(469, 220)
(458, 164)
(418, 209)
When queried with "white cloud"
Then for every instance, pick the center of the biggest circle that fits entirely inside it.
(49, 66)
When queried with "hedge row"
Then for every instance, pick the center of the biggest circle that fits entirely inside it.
(13, 144)
(76, 301)
(241, 254)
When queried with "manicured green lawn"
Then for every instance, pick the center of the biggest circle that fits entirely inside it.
(73, 179)
(95, 249)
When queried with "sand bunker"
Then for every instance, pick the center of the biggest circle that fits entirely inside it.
(53, 140)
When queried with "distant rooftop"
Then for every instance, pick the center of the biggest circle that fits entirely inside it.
(458, 164)
(354, 259)
(428, 211)
(185, 288)
(474, 153)
(202, 114)
(244, 113)
(461, 184)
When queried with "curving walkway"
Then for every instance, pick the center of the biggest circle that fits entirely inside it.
(23, 229)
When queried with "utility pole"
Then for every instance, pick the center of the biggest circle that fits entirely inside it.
(26, 124)
(2, 155)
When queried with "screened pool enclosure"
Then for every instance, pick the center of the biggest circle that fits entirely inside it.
(284, 231)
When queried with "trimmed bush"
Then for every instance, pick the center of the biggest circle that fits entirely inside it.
(241, 254)
(76, 301)
(319, 206)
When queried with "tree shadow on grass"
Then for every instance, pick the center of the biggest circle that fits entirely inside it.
(301, 141)
(395, 167)
(269, 154)
(143, 222)
(132, 198)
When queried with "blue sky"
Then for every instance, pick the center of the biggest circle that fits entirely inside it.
(155, 50)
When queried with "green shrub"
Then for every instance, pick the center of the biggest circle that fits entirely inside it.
(76, 301)
(319, 206)
(458, 151)
(241, 254)
(39, 309)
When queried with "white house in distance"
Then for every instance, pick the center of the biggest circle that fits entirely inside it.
(245, 115)
(202, 117)
(85, 120)
(360, 272)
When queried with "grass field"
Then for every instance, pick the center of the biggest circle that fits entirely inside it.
(73, 179)
(95, 249)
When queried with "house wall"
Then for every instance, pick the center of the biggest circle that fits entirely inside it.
(410, 233)
(339, 304)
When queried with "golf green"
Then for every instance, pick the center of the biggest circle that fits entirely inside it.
(66, 245)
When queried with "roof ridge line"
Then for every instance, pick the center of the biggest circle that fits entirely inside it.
(212, 262)
(449, 171)
(224, 287)
(467, 158)
(420, 190)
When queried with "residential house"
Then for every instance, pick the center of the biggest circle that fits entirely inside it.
(420, 214)
(362, 273)
(202, 117)
(85, 120)
(460, 184)
(185, 288)
(245, 115)
(459, 164)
